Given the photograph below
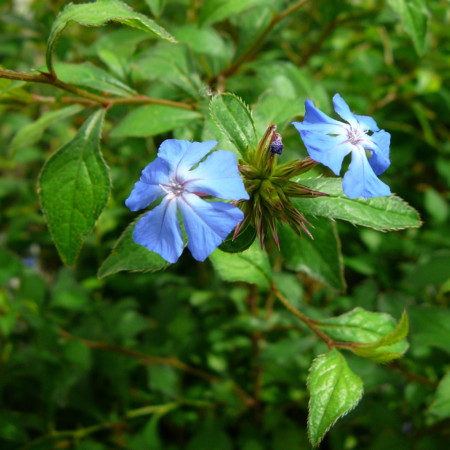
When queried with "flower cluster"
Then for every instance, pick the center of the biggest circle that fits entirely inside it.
(181, 175)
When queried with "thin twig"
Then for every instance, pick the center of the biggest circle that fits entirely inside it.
(168, 361)
(46, 78)
(253, 49)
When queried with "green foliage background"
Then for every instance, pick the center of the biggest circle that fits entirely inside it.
(181, 359)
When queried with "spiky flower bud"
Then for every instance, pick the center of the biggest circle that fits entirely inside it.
(270, 189)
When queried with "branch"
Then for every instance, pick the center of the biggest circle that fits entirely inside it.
(168, 361)
(47, 78)
(250, 52)
(311, 323)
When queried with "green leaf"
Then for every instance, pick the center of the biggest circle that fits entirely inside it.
(31, 133)
(156, 6)
(414, 17)
(97, 14)
(74, 187)
(440, 407)
(335, 390)
(152, 120)
(172, 65)
(319, 257)
(242, 242)
(430, 326)
(127, 255)
(380, 338)
(88, 75)
(251, 266)
(215, 10)
(379, 213)
(234, 118)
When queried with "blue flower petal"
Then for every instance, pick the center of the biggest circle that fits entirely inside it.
(159, 231)
(328, 150)
(182, 155)
(219, 176)
(341, 107)
(367, 123)
(379, 161)
(360, 180)
(148, 188)
(207, 224)
(314, 115)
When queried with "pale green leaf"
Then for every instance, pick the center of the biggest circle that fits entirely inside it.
(319, 257)
(216, 10)
(31, 133)
(379, 213)
(414, 17)
(127, 255)
(74, 187)
(156, 6)
(96, 14)
(152, 120)
(335, 390)
(251, 266)
(234, 119)
(380, 338)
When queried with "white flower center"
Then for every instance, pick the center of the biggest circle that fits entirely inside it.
(356, 136)
(174, 188)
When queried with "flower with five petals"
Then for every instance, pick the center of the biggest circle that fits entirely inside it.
(328, 141)
(181, 177)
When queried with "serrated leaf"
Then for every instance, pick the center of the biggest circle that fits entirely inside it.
(31, 133)
(242, 241)
(319, 257)
(414, 17)
(380, 338)
(251, 266)
(335, 390)
(379, 213)
(127, 255)
(234, 118)
(389, 347)
(74, 187)
(215, 10)
(96, 14)
(88, 75)
(440, 407)
(152, 120)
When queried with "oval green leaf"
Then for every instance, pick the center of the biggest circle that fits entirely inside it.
(96, 14)
(335, 390)
(74, 187)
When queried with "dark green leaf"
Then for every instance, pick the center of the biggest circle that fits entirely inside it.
(127, 255)
(440, 407)
(319, 257)
(152, 120)
(335, 390)
(234, 118)
(96, 14)
(215, 10)
(379, 213)
(242, 242)
(74, 187)
(414, 17)
(31, 133)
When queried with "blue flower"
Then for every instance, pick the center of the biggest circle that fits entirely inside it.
(328, 141)
(172, 177)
